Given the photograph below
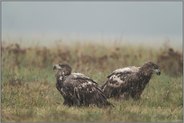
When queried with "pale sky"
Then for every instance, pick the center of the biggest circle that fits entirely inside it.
(118, 19)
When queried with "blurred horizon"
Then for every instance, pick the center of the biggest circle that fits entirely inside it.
(128, 22)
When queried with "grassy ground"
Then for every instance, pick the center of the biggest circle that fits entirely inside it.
(28, 84)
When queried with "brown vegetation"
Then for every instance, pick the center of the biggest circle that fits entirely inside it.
(171, 62)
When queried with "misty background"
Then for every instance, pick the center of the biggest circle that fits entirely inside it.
(133, 22)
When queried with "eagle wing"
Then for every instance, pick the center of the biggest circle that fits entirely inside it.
(82, 76)
(118, 80)
(124, 70)
(85, 90)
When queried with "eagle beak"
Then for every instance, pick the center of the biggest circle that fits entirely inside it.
(157, 71)
(56, 67)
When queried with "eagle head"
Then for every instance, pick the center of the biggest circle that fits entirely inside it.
(150, 67)
(62, 69)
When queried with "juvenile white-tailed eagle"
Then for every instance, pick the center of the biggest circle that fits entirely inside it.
(78, 89)
(129, 81)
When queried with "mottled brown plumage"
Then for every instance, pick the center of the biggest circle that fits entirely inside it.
(129, 82)
(78, 89)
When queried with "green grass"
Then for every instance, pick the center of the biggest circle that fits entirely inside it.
(29, 94)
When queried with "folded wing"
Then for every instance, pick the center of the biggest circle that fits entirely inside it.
(86, 91)
(117, 80)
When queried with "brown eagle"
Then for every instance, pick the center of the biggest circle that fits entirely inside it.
(129, 81)
(78, 89)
